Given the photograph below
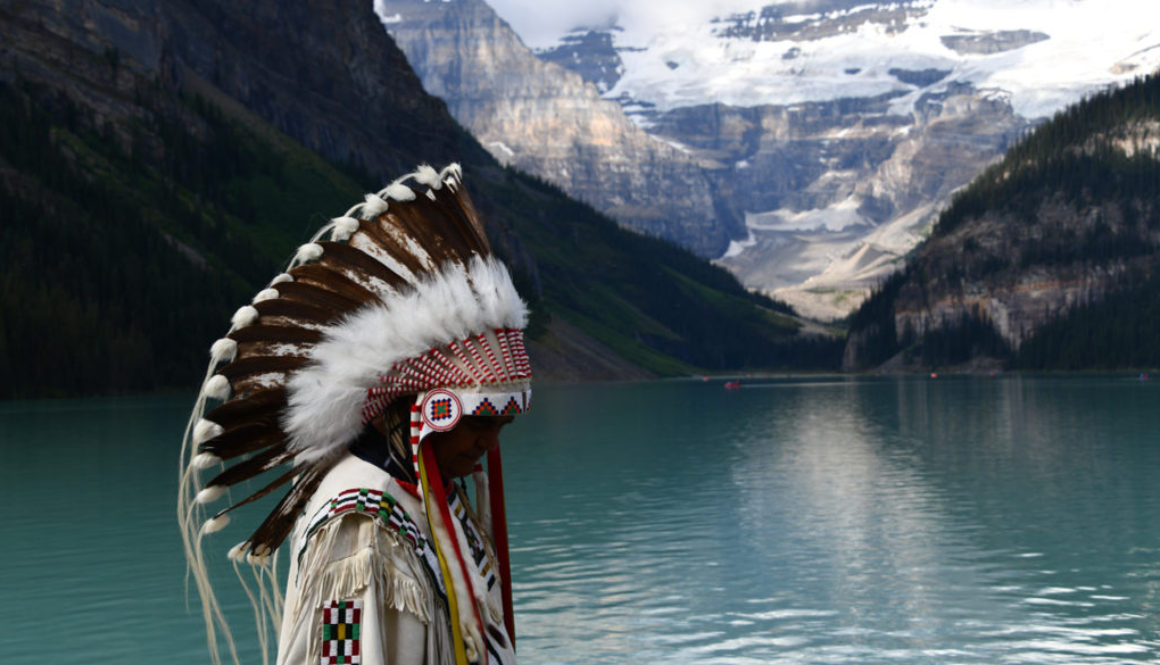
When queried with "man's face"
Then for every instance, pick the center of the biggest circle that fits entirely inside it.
(458, 450)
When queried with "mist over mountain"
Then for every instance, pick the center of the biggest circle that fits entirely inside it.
(830, 132)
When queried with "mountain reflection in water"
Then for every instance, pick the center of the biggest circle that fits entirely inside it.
(817, 520)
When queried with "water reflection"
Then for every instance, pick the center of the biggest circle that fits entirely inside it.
(851, 521)
(855, 527)
(793, 521)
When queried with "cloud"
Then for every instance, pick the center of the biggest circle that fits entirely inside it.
(540, 23)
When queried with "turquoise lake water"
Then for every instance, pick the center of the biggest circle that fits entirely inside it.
(821, 520)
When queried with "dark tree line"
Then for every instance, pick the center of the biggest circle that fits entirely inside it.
(121, 259)
(1120, 331)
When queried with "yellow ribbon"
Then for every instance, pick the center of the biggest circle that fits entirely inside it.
(449, 586)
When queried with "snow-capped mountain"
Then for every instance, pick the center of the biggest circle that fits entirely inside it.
(546, 120)
(831, 132)
(1044, 54)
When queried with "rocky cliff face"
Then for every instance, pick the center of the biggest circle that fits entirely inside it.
(548, 121)
(833, 194)
(129, 70)
(830, 132)
(1018, 298)
(819, 19)
(849, 187)
(590, 54)
(1068, 217)
(170, 155)
(813, 203)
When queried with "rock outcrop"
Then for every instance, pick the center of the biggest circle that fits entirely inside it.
(1065, 221)
(812, 203)
(851, 186)
(830, 132)
(550, 122)
(168, 157)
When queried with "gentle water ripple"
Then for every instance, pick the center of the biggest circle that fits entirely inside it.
(828, 534)
(798, 521)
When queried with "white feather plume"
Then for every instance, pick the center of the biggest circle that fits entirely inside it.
(372, 206)
(223, 350)
(266, 294)
(237, 552)
(205, 430)
(218, 387)
(399, 192)
(426, 175)
(344, 228)
(210, 494)
(215, 524)
(451, 171)
(245, 316)
(203, 461)
(311, 251)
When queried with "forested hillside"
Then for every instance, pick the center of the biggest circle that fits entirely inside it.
(118, 265)
(151, 181)
(1046, 261)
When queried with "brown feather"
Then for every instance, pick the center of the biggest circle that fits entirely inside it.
(312, 294)
(245, 439)
(282, 334)
(243, 409)
(279, 310)
(422, 220)
(277, 525)
(254, 466)
(265, 340)
(278, 482)
(244, 368)
(463, 220)
(353, 263)
(332, 280)
(378, 232)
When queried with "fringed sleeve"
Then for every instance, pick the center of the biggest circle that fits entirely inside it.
(359, 589)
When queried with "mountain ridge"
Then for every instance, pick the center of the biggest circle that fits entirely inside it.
(1065, 222)
(840, 146)
(546, 120)
(154, 175)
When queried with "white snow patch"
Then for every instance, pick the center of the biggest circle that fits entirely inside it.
(500, 150)
(1091, 44)
(839, 216)
(675, 144)
(738, 246)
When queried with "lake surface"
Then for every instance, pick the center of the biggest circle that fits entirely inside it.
(820, 520)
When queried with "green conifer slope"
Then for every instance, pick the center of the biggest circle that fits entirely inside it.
(1036, 263)
(127, 245)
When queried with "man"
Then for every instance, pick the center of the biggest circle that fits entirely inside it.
(379, 368)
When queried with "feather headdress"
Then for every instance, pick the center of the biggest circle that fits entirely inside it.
(399, 296)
